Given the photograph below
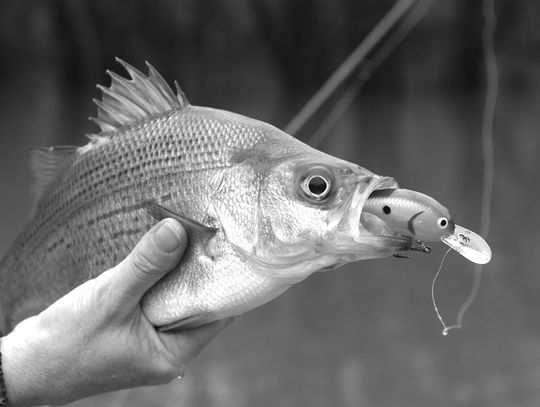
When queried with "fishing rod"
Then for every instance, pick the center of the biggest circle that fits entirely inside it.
(366, 70)
(363, 55)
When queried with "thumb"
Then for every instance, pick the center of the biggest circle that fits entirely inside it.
(157, 253)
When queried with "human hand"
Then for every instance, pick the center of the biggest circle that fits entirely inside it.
(97, 339)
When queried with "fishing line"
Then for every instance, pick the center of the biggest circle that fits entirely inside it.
(445, 328)
(488, 117)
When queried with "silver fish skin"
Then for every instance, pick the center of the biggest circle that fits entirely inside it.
(245, 178)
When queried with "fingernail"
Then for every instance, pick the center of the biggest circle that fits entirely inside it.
(168, 236)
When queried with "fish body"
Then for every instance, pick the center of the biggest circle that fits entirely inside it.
(280, 210)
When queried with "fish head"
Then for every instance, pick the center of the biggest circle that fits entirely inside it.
(310, 216)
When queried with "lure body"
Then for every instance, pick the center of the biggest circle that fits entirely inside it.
(411, 214)
(420, 217)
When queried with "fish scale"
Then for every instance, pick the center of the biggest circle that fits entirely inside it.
(238, 177)
(94, 177)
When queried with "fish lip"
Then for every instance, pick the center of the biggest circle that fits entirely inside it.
(379, 183)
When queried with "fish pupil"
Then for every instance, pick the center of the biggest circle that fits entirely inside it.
(386, 209)
(317, 185)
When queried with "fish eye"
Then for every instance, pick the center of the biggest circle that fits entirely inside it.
(442, 223)
(317, 186)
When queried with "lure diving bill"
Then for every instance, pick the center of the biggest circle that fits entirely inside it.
(422, 218)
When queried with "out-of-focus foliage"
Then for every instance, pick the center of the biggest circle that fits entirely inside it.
(365, 335)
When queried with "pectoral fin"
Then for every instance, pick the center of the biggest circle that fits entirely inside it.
(193, 228)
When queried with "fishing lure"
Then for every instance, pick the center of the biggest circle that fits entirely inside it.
(422, 218)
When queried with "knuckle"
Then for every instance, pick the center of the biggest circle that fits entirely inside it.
(165, 370)
(167, 363)
(100, 290)
(99, 293)
(144, 263)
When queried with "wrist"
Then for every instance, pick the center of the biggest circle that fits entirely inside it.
(22, 367)
(3, 391)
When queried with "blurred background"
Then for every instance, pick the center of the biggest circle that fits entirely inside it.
(366, 334)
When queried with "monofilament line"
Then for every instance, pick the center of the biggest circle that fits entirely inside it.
(492, 87)
(445, 328)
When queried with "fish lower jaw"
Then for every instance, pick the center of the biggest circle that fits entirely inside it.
(347, 250)
(291, 271)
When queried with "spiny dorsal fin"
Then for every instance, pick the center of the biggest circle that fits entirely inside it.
(129, 100)
(44, 167)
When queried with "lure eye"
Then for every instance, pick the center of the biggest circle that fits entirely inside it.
(317, 186)
(442, 223)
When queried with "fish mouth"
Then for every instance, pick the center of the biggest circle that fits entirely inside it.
(372, 224)
(373, 228)
(360, 235)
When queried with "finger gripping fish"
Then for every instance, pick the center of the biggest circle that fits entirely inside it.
(262, 210)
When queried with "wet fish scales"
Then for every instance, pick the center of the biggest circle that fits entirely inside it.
(101, 198)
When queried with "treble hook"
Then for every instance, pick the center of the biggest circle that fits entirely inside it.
(422, 248)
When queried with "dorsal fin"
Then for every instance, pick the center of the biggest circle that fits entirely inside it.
(126, 101)
(44, 167)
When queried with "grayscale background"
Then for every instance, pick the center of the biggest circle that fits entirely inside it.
(366, 334)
